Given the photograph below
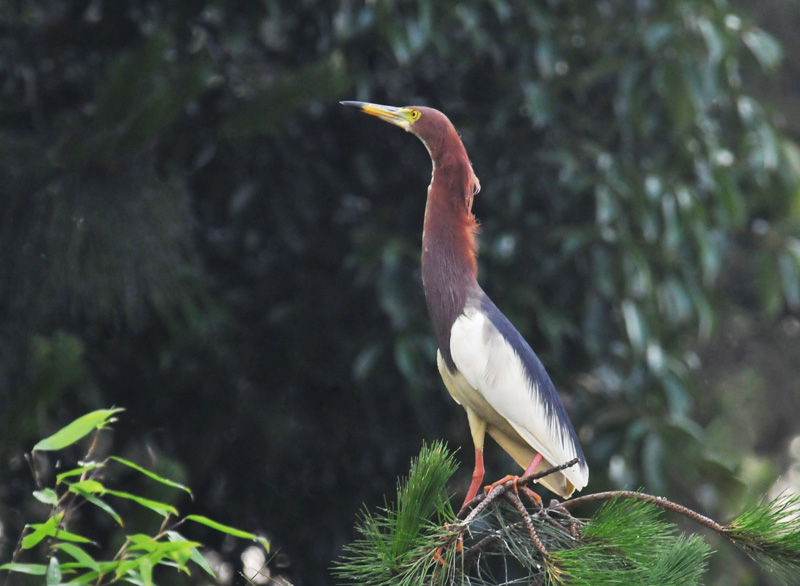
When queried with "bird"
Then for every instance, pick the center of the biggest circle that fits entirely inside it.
(486, 365)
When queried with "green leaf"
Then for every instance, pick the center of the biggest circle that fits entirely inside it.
(291, 91)
(195, 554)
(53, 572)
(764, 47)
(178, 553)
(41, 531)
(126, 566)
(65, 535)
(78, 488)
(31, 569)
(146, 571)
(634, 325)
(86, 467)
(85, 486)
(78, 429)
(84, 559)
(152, 475)
(228, 529)
(47, 496)
(790, 280)
(142, 541)
(50, 528)
(162, 509)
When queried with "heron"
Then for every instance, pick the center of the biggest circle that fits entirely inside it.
(486, 365)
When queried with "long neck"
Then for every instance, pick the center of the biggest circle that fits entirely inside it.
(449, 268)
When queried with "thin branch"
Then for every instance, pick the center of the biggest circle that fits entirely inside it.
(72, 498)
(471, 554)
(648, 498)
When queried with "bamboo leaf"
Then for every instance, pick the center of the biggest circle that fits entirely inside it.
(195, 555)
(764, 46)
(152, 475)
(50, 528)
(31, 569)
(85, 486)
(53, 576)
(162, 509)
(146, 571)
(228, 529)
(78, 488)
(47, 496)
(85, 467)
(70, 536)
(41, 531)
(83, 559)
(78, 429)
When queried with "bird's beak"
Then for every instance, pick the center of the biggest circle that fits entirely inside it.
(397, 116)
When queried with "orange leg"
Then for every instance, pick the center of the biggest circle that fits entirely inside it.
(477, 477)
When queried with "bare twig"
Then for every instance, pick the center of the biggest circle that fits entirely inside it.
(648, 498)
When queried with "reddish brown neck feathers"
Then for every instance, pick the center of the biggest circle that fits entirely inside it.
(449, 249)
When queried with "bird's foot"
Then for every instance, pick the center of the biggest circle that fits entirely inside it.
(535, 499)
(510, 478)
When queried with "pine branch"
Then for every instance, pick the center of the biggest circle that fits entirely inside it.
(397, 545)
(770, 535)
(497, 540)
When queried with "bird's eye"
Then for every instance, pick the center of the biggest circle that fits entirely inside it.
(414, 114)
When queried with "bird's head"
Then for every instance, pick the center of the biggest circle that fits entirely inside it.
(429, 125)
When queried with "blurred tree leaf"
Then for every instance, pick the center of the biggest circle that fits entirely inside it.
(285, 93)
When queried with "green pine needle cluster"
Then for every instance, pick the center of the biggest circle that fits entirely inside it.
(627, 542)
(398, 545)
(770, 535)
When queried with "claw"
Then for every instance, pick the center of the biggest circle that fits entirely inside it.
(502, 481)
(537, 500)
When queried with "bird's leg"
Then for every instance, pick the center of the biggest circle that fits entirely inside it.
(477, 428)
(531, 469)
(537, 459)
(477, 477)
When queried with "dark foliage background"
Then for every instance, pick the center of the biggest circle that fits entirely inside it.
(192, 228)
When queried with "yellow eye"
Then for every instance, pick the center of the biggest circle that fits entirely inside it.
(414, 114)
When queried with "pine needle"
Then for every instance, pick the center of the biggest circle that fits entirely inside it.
(770, 535)
(626, 542)
(397, 546)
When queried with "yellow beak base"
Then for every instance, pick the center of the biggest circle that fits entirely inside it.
(397, 116)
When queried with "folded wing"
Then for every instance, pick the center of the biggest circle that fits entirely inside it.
(500, 365)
